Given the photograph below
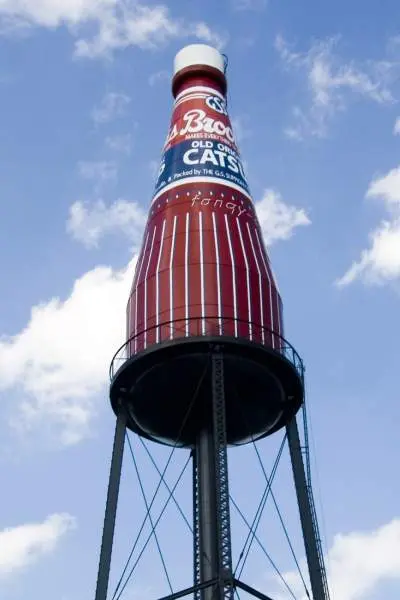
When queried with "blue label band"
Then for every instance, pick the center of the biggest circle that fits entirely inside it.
(201, 158)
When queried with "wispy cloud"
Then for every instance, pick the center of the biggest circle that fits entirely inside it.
(88, 223)
(330, 82)
(119, 143)
(396, 128)
(112, 106)
(277, 219)
(25, 544)
(100, 171)
(203, 32)
(380, 262)
(117, 24)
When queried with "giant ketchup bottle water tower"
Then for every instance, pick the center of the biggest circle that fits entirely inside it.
(206, 364)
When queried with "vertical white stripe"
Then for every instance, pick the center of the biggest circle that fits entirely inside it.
(246, 262)
(270, 286)
(259, 282)
(171, 278)
(233, 274)
(145, 287)
(202, 283)
(158, 283)
(137, 286)
(273, 278)
(187, 275)
(218, 272)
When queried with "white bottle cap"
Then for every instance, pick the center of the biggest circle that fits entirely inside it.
(199, 54)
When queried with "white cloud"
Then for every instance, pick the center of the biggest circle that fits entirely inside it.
(59, 362)
(119, 143)
(53, 13)
(203, 32)
(100, 171)
(277, 219)
(381, 261)
(25, 544)
(330, 83)
(388, 189)
(89, 223)
(113, 105)
(117, 23)
(396, 128)
(358, 562)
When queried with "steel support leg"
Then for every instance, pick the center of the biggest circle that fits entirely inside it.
(212, 543)
(111, 508)
(306, 517)
(208, 511)
(196, 526)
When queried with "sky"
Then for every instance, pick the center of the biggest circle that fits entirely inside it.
(85, 104)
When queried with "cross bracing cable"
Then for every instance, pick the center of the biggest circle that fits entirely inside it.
(265, 551)
(166, 485)
(282, 522)
(149, 536)
(259, 511)
(150, 517)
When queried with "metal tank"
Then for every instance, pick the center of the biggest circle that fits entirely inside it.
(203, 277)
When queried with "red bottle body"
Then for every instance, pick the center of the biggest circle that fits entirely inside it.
(203, 269)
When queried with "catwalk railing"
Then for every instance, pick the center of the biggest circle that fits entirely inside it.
(199, 327)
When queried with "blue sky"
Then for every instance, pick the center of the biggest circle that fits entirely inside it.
(84, 110)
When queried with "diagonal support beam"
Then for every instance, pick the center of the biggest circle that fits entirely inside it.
(247, 588)
(191, 590)
(236, 583)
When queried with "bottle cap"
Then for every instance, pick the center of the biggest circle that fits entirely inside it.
(199, 54)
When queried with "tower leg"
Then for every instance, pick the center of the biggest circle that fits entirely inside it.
(315, 567)
(212, 544)
(208, 511)
(111, 508)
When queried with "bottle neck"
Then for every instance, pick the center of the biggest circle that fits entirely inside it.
(199, 76)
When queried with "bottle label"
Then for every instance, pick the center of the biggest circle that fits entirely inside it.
(201, 144)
